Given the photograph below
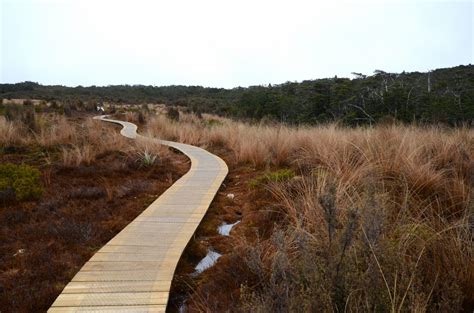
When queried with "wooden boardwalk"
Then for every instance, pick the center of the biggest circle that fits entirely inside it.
(134, 270)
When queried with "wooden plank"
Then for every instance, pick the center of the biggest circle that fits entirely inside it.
(134, 270)
(120, 257)
(112, 299)
(187, 218)
(115, 309)
(116, 286)
(136, 249)
(163, 273)
(146, 242)
(121, 266)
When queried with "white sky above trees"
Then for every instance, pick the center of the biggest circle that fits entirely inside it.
(226, 43)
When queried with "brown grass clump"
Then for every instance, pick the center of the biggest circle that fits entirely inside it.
(8, 132)
(257, 145)
(379, 219)
(75, 143)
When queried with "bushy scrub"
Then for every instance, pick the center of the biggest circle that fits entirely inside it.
(346, 251)
(24, 113)
(276, 176)
(22, 181)
(173, 114)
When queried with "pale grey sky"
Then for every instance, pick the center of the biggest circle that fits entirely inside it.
(226, 43)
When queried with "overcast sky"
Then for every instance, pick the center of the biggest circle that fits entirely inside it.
(227, 43)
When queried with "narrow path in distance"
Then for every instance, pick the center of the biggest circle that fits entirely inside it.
(134, 270)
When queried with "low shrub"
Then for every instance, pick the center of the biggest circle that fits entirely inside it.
(68, 109)
(15, 217)
(13, 112)
(147, 158)
(141, 117)
(22, 180)
(212, 122)
(173, 114)
(276, 176)
(29, 117)
(338, 255)
(88, 193)
(75, 232)
(131, 187)
(7, 195)
(24, 113)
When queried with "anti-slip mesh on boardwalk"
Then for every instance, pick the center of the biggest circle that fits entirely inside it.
(134, 270)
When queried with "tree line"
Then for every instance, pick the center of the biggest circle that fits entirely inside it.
(439, 96)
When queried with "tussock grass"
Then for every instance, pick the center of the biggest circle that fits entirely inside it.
(8, 132)
(78, 142)
(380, 219)
(54, 215)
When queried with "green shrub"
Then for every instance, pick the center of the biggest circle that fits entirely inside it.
(54, 105)
(24, 113)
(29, 117)
(141, 118)
(147, 159)
(173, 114)
(13, 112)
(212, 122)
(277, 176)
(69, 108)
(24, 180)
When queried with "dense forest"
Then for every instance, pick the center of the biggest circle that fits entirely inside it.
(439, 96)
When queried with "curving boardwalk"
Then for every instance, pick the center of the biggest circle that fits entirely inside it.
(134, 270)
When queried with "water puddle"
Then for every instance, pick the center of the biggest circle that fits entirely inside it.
(210, 259)
(225, 229)
(183, 308)
(207, 262)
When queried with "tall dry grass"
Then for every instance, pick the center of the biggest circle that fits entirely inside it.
(76, 142)
(380, 219)
(386, 146)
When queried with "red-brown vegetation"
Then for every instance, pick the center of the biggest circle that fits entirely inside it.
(377, 219)
(94, 184)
